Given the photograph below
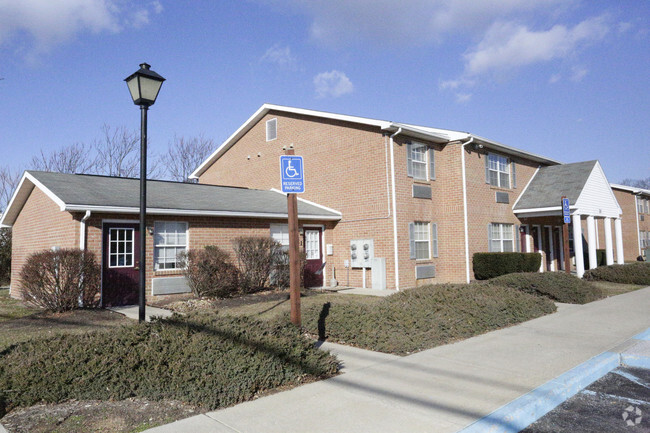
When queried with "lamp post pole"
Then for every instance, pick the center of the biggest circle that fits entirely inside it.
(143, 212)
(144, 85)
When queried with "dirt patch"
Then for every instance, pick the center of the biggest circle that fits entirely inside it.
(132, 415)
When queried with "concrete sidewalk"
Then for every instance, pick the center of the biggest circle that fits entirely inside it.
(443, 389)
(132, 312)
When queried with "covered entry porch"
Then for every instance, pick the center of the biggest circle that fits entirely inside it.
(593, 208)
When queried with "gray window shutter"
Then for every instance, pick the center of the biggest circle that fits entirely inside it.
(432, 164)
(409, 160)
(412, 240)
(490, 237)
(513, 174)
(434, 239)
(487, 168)
(517, 239)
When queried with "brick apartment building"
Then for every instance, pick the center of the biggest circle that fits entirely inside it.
(386, 205)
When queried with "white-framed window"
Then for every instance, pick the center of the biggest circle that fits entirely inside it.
(170, 239)
(420, 161)
(420, 240)
(280, 233)
(120, 253)
(271, 129)
(501, 238)
(497, 170)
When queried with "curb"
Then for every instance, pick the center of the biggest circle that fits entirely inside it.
(525, 410)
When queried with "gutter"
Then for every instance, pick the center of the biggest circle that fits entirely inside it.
(82, 231)
(392, 174)
(465, 223)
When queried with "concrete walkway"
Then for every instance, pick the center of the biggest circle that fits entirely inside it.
(444, 389)
(133, 312)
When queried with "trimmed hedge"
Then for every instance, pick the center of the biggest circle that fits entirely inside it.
(211, 363)
(558, 286)
(490, 265)
(424, 317)
(630, 273)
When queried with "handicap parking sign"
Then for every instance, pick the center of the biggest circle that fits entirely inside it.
(292, 174)
(566, 212)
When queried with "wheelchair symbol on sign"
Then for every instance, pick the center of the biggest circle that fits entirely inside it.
(290, 171)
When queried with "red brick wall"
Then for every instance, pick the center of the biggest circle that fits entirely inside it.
(40, 226)
(629, 223)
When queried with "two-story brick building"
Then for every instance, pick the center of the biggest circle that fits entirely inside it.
(387, 205)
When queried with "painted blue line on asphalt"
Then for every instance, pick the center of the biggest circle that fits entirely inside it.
(645, 335)
(637, 361)
(528, 408)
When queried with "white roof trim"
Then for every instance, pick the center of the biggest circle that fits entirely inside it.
(190, 212)
(632, 189)
(495, 145)
(329, 209)
(21, 189)
(514, 205)
(544, 209)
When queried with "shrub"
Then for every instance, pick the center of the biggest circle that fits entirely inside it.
(281, 275)
(210, 272)
(601, 258)
(630, 273)
(424, 317)
(558, 286)
(5, 256)
(256, 257)
(490, 265)
(209, 362)
(61, 280)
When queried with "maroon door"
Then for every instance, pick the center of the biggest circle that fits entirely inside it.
(522, 239)
(120, 258)
(313, 238)
(534, 232)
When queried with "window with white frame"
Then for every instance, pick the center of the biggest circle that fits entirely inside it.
(170, 239)
(420, 240)
(271, 129)
(497, 170)
(280, 233)
(501, 237)
(420, 161)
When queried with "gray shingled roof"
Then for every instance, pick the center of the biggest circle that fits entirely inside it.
(105, 191)
(553, 182)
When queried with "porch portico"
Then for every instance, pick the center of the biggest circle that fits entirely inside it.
(592, 204)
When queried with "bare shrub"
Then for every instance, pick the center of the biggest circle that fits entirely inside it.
(281, 275)
(210, 272)
(256, 257)
(61, 280)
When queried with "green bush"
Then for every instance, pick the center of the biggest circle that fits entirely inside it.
(601, 258)
(490, 265)
(210, 272)
(211, 363)
(558, 286)
(630, 273)
(61, 280)
(424, 317)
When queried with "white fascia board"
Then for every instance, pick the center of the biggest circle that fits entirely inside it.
(261, 112)
(543, 209)
(189, 212)
(490, 144)
(329, 209)
(425, 133)
(27, 179)
(632, 189)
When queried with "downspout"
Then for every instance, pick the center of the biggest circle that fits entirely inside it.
(82, 231)
(638, 233)
(462, 158)
(392, 174)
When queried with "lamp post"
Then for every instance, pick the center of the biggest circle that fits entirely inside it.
(144, 85)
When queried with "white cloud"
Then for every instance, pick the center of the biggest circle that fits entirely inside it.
(461, 98)
(555, 78)
(578, 73)
(280, 56)
(332, 84)
(49, 23)
(507, 46)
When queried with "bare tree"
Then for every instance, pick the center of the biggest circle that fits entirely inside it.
(184, 155)
(637, 183)
(9, 180)
(76, 158)
(118, 154)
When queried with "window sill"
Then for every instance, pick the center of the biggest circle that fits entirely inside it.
(498, 188)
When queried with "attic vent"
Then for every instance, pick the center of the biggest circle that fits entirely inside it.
(271, 129)
(502, 197)
(421, 191)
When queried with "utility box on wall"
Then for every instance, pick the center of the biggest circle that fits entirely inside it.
(362, 252)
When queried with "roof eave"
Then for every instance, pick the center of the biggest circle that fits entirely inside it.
(490, 144)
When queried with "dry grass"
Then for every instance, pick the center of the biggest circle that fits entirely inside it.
(613, 289)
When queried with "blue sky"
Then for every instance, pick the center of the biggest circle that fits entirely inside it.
(567, 79)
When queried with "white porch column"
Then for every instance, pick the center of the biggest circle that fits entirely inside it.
(540, 229)
(551, 250)
(619, 241)
(609, 248)
(577, 245)
(591, 241)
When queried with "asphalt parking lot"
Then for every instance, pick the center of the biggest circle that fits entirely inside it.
(618, 402)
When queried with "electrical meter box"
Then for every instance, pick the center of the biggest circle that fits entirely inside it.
(362, 252)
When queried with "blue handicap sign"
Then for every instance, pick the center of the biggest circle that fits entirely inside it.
(566, 212)
(292, 174)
